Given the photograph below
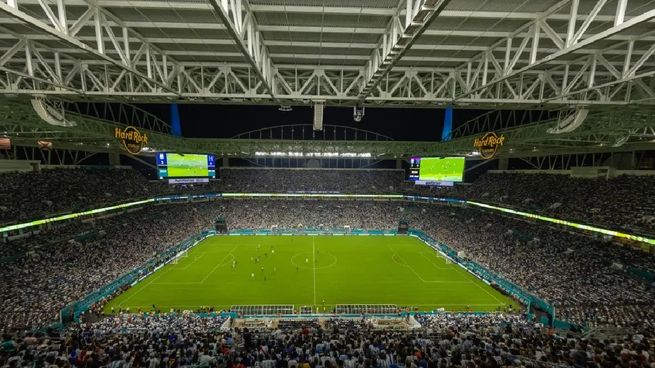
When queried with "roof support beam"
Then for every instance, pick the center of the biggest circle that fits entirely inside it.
(58, 30)
(241, 25)
(399, 36)
(573, 43)
(312, 9)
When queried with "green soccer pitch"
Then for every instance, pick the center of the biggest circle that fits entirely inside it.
(321, 271)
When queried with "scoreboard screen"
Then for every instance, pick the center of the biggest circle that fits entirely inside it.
(436, 170)
(185, 165)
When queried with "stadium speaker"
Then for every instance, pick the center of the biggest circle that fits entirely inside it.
(52, 112)
(403, 227)
(570, 122)
(358, 113)
(318, 115)
(221, 225)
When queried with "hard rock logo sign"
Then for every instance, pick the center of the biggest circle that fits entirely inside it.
(133, 140)
(489, 144)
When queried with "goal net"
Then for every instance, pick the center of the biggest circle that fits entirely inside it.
(180, 256)
(446, 259)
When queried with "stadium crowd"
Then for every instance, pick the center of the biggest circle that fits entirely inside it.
(624, 202)
(586, 279)
(573, 272)
(47, 276)
(295, 180)
(35, 195)
(581, 277)
(179, 340)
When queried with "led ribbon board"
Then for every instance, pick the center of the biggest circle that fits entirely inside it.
(354, 196)
(314, 195)
(567, 223)
(72, 215)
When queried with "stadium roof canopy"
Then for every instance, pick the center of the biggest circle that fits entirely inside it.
(474, 53)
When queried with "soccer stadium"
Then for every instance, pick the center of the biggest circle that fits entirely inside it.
(327, 184)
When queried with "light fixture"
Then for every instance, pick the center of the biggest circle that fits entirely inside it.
(358, 113)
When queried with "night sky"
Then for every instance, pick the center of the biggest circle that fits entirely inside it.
(224, 121)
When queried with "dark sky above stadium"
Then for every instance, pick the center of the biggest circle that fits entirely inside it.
(224, 121)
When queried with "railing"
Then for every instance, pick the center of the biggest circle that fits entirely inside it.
(647, 242)
(138, 274)
(312, 231)
(483, 273)
(75, 309)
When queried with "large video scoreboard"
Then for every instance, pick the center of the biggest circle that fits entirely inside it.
(185, 166)
(436, 170)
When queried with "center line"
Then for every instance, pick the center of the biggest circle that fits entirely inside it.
(314, 261)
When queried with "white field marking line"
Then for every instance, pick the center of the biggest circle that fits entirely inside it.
(191, 282)
(479, 287)
(318, 268)
(154, 278)
(218, 264)
(447, 304)
(373, 304)
(143, 286)
(419, 276)
(421, 305)
(314, 264)
(161, 273)
(458, 268)
(438, 267)
(195, 259)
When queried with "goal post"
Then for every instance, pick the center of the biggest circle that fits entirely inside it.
(445, 258)
(183, 254)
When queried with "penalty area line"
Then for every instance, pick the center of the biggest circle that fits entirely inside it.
(221, 263)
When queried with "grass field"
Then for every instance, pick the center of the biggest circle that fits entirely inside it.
(188, 165)
(321, 271)
(442, 168)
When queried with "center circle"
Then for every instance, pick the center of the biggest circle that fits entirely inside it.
(323, 260)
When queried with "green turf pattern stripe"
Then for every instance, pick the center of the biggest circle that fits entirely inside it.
(306, 270)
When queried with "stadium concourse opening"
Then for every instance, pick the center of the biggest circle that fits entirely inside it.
(323, 272)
